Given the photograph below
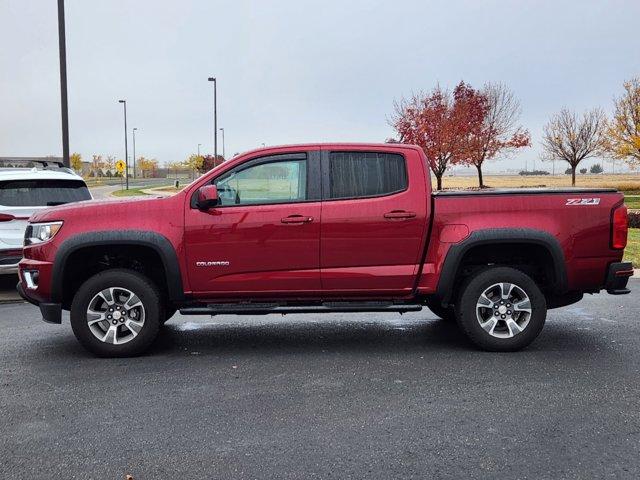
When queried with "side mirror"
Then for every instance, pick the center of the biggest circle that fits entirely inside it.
(207, 197)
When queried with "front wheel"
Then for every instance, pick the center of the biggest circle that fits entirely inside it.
(116, 313)
(501, 309)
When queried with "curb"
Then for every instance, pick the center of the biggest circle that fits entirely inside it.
(152, 191)
(10, 297)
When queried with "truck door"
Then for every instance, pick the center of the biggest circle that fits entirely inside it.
(374, 221)
(263, 238)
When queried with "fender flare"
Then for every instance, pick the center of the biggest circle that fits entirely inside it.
(457, 252)
(159, 243)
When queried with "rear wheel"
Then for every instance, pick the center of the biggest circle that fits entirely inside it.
(116, 313)
(501, 309)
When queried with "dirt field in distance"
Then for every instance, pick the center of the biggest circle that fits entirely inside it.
(624, 182)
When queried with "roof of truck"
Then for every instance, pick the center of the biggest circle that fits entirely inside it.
(329, 145)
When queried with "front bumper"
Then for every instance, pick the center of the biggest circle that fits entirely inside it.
(51, 312)
(617, 278)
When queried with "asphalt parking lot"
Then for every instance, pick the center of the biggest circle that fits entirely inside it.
(342, 396)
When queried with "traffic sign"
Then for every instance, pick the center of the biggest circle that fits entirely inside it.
(120, 166)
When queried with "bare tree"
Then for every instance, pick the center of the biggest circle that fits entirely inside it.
(499, 132)
(572, 138)
(110, 164)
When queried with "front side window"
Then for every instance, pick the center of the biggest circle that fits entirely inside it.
(366, 174)
(269, 182)
(42, 193)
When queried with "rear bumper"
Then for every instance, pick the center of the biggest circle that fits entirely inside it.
(617, 278)
(51, 312)
(9, 259)
(8, 269)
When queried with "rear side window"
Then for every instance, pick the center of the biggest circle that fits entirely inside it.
(42, 193)
(366, 174)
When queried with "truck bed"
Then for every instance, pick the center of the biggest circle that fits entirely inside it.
(577, 219)
(522, 191)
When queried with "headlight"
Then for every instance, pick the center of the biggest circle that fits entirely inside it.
(40, 232)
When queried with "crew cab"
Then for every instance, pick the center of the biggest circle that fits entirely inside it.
(320, 229)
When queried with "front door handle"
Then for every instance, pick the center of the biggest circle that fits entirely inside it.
(399, 215)
(297, 219)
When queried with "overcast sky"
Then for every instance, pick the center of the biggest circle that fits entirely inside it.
(293, 71)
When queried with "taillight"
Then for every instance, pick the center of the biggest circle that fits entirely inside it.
(5, 217)
(619, 227)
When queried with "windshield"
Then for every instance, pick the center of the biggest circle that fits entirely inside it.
(42, 193)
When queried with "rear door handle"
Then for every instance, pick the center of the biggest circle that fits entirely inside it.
(399, 215)
(297, 219)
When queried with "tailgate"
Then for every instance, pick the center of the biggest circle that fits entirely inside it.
(13, 222)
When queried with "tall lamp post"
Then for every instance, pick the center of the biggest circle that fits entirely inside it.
(126, 152)
(64, 107)
(215, 118)
(134, 151)
(222, 130)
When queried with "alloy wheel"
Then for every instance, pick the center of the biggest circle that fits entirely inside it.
(115, 315)
(503, 310)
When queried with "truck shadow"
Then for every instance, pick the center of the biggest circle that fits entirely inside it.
(288, 334)
(294, 335)
(352, 333)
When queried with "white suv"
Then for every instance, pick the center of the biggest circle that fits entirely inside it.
(24, 191)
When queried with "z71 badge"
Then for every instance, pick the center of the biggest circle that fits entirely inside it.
(583, 201)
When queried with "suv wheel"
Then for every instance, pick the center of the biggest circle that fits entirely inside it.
(116, 313)
(501, 309)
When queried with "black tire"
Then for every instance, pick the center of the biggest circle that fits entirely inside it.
(447, 314)
(146, 292)
(470, 294)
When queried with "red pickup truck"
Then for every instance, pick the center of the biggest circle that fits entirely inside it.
(324, 228)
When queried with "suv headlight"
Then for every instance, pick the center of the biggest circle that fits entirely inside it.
(40, 232)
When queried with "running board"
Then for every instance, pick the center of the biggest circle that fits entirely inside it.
(326, 307)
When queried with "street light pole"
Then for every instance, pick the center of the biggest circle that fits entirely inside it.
(126, 152)
(134, 152)
(199, 149)
(222, 130)
(64, 107)
(215, 118)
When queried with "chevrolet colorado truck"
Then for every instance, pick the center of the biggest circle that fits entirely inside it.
(323, 228)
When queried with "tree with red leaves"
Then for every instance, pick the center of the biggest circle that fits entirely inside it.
(441, 124)
(498, 132)
(209, 161)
